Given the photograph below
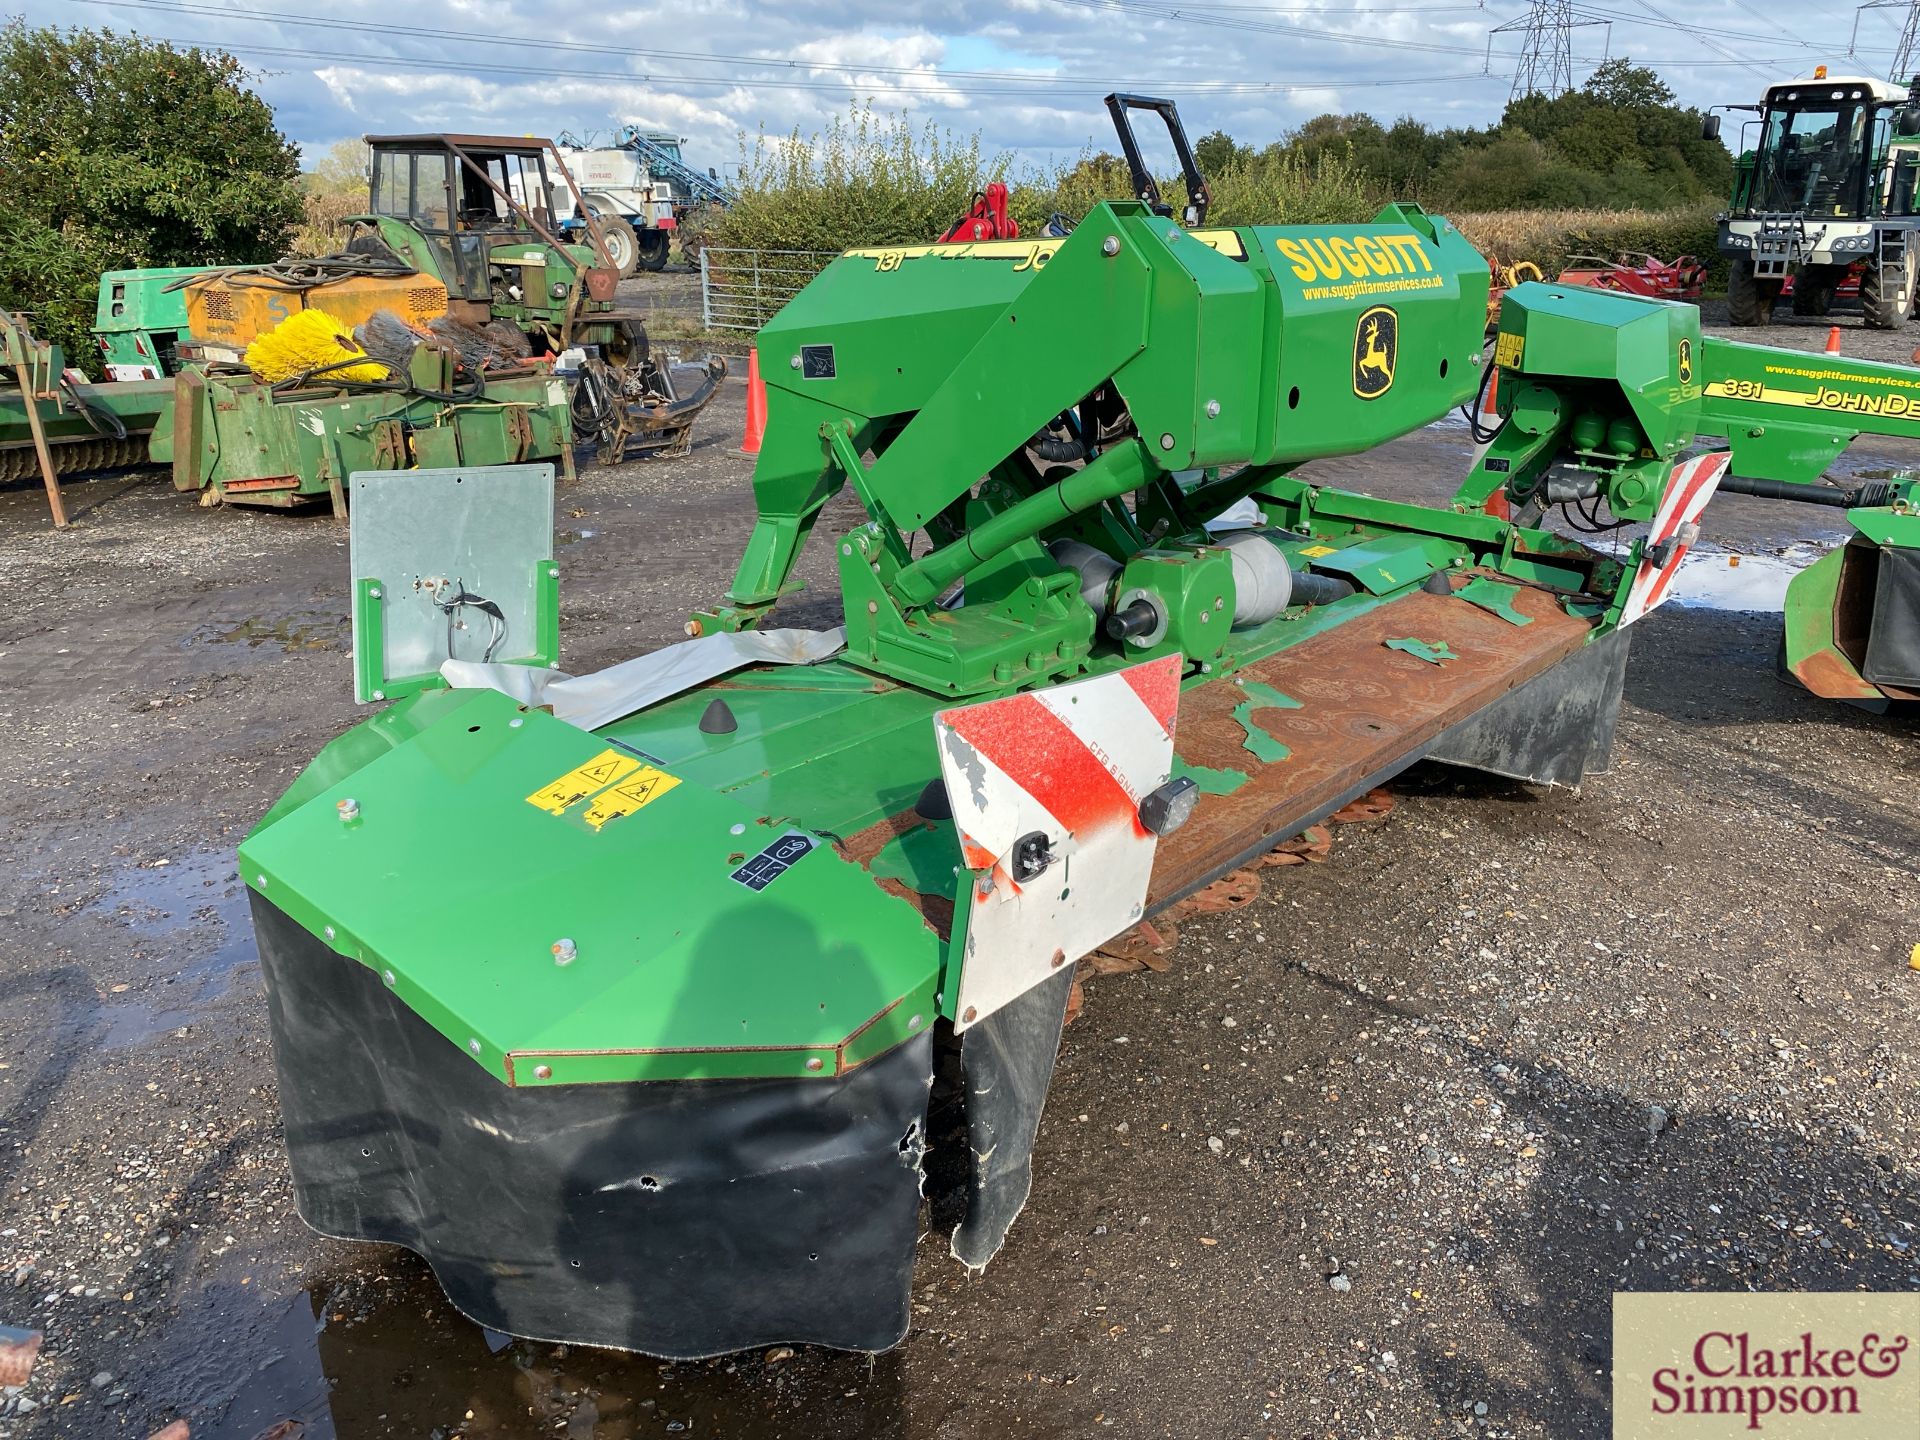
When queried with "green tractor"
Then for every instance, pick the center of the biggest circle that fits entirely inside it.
(471, 212)
(1827, 191)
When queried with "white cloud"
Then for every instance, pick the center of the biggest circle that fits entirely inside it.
(715, 70)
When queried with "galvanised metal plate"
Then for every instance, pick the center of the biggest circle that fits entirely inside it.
(474, 848)
(417, 533)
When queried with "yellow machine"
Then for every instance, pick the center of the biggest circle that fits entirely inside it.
(228, 309)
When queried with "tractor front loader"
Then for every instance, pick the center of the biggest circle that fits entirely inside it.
(643, 972)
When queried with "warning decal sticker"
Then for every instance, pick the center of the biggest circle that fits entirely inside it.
(774, 861)
(637, 790)
(617, 785)
(581, 781)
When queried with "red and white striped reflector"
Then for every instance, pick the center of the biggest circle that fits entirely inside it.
(1071, 762)
(1690, 485)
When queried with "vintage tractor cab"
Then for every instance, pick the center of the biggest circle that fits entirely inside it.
(474, 213)
(1827, 187)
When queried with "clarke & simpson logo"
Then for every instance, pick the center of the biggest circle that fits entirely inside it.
(1788, 1366)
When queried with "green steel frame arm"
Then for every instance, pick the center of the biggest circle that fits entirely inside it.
(1787, 415)
(1119, 470)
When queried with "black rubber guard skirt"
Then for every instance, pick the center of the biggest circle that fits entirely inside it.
(678, 1218)
(1893, 638)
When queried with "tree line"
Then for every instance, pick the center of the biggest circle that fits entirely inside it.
(1621, 141)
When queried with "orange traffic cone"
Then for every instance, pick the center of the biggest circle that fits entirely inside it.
(756, 405)
(1833, 340)
(1489, 415)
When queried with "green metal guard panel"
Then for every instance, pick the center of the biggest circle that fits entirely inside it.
(426, 537)
(1649, 350)
(453, 885)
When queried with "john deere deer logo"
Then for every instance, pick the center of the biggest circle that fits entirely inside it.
(1375, 339)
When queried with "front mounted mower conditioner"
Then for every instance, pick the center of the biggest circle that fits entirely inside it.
(618, 997)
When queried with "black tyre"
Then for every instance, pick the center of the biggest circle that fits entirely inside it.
(1750, 300)
(1886, 292)
(623, 247)
(627, 347)
(1813, 288)
(654, 245)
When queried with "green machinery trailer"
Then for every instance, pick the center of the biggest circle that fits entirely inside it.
(224, 434)
(140, 320)
(642, 1058)
(52, 422)
(246, 442)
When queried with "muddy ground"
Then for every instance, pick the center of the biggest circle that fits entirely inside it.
(1370, 1159)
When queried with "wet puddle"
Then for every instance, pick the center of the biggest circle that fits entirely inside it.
(280, 634)
(195, 910)
(1724, 580)
(380, 1353)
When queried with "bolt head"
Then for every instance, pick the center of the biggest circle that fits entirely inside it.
(374, 592)
(736, 830)
(474, 1046)
(348, 809)
(1166, 441)
(914, 1022)
(973, 1014)
(329, 932)
(553, 572)
(379, 694)
(1213, 409)
(516, 722)
(1110, 246)
(793, 362)
(543, 1072)
(260, 882)
(389, 977)
(565, 952)
(815, 1063)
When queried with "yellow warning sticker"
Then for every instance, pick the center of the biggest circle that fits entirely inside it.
(1314, 552)
(1227, 242)
(641, 788)
(1508, 349)
(583, 780)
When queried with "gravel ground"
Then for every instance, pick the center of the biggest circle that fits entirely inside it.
(1370, 1159)
(1797, 332)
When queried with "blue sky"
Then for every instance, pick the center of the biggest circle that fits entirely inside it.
(1026, 74)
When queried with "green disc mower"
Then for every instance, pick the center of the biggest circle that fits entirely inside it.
(618, 996)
